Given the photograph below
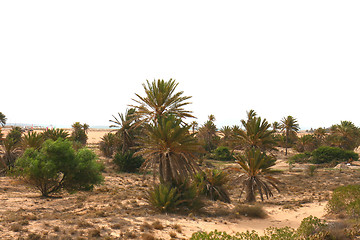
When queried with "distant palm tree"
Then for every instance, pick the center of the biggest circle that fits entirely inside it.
(207, 134)
(276, 126)
(290, 126)
(227, 137)
(194, 125)
(256, 133)
(161, 99)
(126, 132)
(2, 119)
(306, 143)
(346, 134)
(320, 134)
(169, 149)
(254, 168)
(32, 140)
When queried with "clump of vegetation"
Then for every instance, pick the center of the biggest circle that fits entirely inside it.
(222, 154)
(345, 199)
(107, 144)
(167, 198)
(311, 170)
(310, 228)
(127, 162)
(58, 166)
(211, 183)
(253, 211)
(55, 133)
(301, 157)
(333, 155)
(79, 133)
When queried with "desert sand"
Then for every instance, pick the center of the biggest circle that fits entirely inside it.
(118, 207)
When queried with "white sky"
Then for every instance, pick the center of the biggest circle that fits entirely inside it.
(68, 61)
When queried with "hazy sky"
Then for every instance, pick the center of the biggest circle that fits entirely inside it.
(68, 61)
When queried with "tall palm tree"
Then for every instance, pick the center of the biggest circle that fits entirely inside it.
(290, 126)
(320, 134)
(2, 119)
(254, 168)
(169, 149)
(256, 133)
(161, 99)
(126, 132)
(227, 133)
(207, 134)
(194, 125)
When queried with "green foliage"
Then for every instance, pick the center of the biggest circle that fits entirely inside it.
(345, 199)
(15, 135)
(333, 155)
(301, 157)
(164, 198)
(55, 133)
(2, 119)
(57, 166)
(211, 183)
(32, 140)
(127, 162)
(167, 198)
(79, 133)
(310, 226)
(223, 154)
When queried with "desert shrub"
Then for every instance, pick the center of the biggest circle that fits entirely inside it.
(311, 170)
(301, 157)
(167, 198)
(164, 198)
(254, 211)
(311, 226)
(58, 166)
(345, 199)
(127, 162)
(211, 183)
(284, 233)
(332, 155)
(223, 154)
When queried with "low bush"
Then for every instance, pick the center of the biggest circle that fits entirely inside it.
(332, 155)
(167, 198)
(253, 211)
(58, 166)
(345, 199)
(222, 154)
(301, 157)
(127, 162)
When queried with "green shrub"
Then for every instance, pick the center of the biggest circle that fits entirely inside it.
(211, 183)
(310, 226)
(164, 198)
(167, 198)
(345, 199)
(332, 155)
(223, 154)
(301, 157)
(127, 162)
(15, 135)
(58, 166)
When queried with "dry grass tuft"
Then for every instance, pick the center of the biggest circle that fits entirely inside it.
(158, 225)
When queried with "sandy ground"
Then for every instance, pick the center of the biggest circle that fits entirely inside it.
(118, 209)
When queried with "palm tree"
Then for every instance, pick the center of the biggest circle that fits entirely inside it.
(2, 119)
(254, 167)
(194, 125)
(227, 137)
(126, 132)
(346, 134)
(256, 133)
(320, 134)
(207, 134)
(291, 127)
(306, 143)
(161, 99)
(169, 149)
(32, 140)
(276, 126)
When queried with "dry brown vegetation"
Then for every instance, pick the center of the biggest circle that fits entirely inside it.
(117, 209)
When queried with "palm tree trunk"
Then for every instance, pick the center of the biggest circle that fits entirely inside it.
(250, 193)
(286, 142)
